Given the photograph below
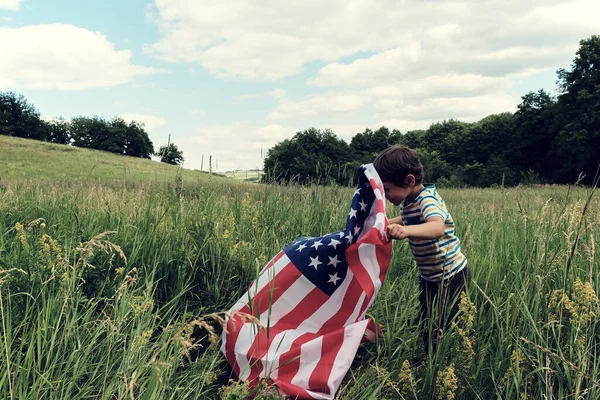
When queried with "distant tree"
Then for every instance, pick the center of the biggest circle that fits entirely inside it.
(19, 118)
(170, 154)
(116, 136)
(578, 115)
(310, 155)
(134, 138)
(367, 144)
(534, 134)
(58, 131)
(89, 132)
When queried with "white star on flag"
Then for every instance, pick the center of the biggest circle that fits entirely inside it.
(334, 243)
(334, 261)
(334, 278)
(363, 205)
(317, 244)
(352, 213)
(314, 262)
(356, 230)
(301, 247)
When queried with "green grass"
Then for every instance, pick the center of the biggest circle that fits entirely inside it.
(116, 317)
(31, 159)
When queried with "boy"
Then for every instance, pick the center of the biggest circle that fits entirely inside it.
(429, 228)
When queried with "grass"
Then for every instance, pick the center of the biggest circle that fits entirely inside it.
(31, 159)
(107, 286)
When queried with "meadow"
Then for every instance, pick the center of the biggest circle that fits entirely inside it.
(112, 284)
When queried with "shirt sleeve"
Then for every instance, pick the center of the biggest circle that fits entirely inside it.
(433, 207)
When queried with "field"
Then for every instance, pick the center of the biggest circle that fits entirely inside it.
(108, 280)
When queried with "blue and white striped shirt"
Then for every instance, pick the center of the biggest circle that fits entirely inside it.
(437, 259)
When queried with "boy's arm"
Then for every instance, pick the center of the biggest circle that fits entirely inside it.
(396, 220)
(434, 228)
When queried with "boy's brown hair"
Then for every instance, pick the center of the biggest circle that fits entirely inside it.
(396, 162)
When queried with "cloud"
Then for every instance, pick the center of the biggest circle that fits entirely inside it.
(63, 57)
(235, 145)
(12, 5)
(319, 105)
(271, 39)
(150, 122)
(278, 93)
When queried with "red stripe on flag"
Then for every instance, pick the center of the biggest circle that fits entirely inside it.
(269, 265)
(332, 343)
(359, 271)
(260, 303)
(303, 310)
(289, 361)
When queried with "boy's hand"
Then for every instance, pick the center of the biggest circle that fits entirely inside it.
(396, 231)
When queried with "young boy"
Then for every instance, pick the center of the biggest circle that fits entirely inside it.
(429, 228)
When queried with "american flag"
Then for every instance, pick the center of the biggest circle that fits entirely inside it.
(311, 301)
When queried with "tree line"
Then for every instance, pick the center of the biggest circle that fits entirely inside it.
(19, 118)
(549, 139)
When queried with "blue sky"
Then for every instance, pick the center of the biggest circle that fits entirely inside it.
(227, 78)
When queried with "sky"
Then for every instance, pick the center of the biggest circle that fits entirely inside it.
(229, 78)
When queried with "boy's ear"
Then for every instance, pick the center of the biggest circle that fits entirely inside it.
(410, 180)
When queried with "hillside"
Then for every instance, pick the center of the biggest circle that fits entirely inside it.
(30, 159)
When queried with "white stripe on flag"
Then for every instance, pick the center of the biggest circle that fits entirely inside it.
(308, 361)
(242, 345)
(263, 279)
(286, 303)
(367, 254)
(284, 340)
(352, 337)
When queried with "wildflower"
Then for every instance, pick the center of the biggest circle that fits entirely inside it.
(43, 225)
(519, 367)
(21, 233)
(447, 383)
(464, 353)
(406, 381)
(586, 302)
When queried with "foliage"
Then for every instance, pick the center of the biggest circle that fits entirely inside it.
(310, 156)
(170, 154)
(117, 316)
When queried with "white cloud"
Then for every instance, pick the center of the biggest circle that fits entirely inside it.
(150, 122)
(319, 105)
(235, 145)
(278, 93)
(9, 4)
(63, 57)
(271, 39)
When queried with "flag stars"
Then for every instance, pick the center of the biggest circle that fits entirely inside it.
(352, 213)
(356, 230)
(334, 278)
(314, 262)
(301, 247)
(317, 244)
(349, 237)
(334, 243)
(363, 205)
(334, 261)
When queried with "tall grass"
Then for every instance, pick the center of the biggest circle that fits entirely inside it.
(105, 289)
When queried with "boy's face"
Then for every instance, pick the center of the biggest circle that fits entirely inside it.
(396, 194)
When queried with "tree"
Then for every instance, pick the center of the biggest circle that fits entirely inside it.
(535, 133)
(116, 136)
(170, 154)
(578, 119)
(366, 145)
(311, 155)
(19, 118)
(58, 131)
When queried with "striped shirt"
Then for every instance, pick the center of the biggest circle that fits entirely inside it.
(437, 259)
